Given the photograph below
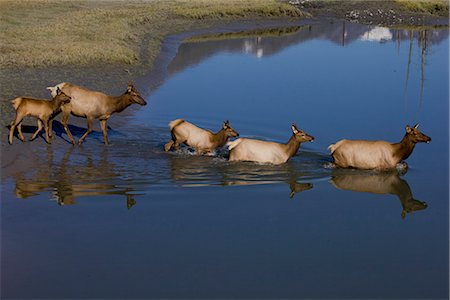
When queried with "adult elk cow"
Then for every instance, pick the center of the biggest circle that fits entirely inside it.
(94, 105)
(379, 155)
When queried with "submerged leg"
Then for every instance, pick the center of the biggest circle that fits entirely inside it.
(37, 130)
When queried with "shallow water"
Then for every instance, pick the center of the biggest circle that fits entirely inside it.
(150, 224)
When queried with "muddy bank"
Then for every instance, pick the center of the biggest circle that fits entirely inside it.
(386, 13)
(113, 79)
(109, 78)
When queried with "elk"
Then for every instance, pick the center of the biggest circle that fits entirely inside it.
(202, 140)
(380, 183)
(94, 105)
(43, 110)
(267, 152)
(380, 155)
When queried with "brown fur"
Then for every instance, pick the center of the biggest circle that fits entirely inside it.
(43, 110)
(379, 155)
(200, 139)
(268, 152)
(94, 105)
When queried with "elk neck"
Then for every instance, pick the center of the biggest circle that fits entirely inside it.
(404, 149)
(292, 146)
(121, 102)
(220, 138)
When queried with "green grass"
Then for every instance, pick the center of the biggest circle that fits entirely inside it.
(48, 32)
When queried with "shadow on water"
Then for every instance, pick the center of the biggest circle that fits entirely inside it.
(58, 130)
(384, 183)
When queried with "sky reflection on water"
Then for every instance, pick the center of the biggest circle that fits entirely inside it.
(203, 227)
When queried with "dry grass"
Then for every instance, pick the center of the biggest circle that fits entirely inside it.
(433, 7)
(50, 32)
(271, 32)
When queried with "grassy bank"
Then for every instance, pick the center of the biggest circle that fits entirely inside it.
(48, 32)
(433, 7)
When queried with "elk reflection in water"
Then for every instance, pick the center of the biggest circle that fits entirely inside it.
(197, 171)
(73, 177)
(379, 183)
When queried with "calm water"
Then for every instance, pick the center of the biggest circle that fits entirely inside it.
(135, 222)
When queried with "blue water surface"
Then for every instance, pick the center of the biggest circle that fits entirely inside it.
(201, 227)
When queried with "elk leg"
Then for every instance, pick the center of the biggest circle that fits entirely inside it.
(37, 131)
(168, 145)
(13, 127)
(50, 128)
(88, 131)
(46, 125)
(105, 130)
(200, 151)
(64, 120)
(19, 129)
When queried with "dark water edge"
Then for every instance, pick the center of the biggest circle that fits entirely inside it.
(130, 221)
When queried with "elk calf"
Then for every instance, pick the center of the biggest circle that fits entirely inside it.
(362, 154)
(94, 105)
(268, 152)
(201, 140)
(41, 109)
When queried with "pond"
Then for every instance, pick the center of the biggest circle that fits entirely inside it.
(131, 221)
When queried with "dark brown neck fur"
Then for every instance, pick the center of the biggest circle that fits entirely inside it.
(404, 149)
(220, 138)
(121, 102)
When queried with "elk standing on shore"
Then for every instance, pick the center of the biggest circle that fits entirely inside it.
(362, 154)
(41, 109)
(94, 105)
(268, 152)
(202, 140)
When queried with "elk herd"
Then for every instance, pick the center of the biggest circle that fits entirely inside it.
(78, 101)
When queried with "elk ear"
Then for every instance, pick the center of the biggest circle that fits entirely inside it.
(130, 87)
(403, 214)
(408, 129)
(294, 128)
(416, 126)
(225, 124)
(58, 91)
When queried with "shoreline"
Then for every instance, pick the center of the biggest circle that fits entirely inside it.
(147, 80)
